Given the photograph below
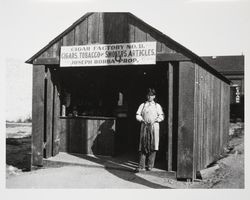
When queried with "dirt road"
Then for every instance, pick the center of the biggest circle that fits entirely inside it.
(229, 173)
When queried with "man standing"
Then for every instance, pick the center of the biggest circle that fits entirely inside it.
(149, 114)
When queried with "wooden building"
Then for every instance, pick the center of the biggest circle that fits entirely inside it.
(91, 109)
(232, 67)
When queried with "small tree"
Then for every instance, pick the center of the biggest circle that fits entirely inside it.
(19, 120)
(28, 119)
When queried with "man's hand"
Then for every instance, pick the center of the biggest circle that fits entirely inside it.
(153, 122)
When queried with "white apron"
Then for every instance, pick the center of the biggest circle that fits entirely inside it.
(149, 114)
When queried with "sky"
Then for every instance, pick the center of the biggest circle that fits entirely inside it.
(206, 27)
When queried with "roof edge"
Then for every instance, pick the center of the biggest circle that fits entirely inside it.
(189, 53)
(57, 38)
(186, 51)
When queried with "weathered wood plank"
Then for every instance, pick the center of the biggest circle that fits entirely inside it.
(211, 121)
(140, 34)
(101, 29)
(49, 114)
(56, 49)
(227, 109)
(226, 99)
(90, 136)
(56, 114)
(149, 37)
(214, 119)
(199, 120)
(63, 135)
(196, 107)
(81, 33)
(77, 129)
(131, 30)
(46, 61)
(158, 46)
(115, 28)
(206, 111)
(218, 120)
(166, 49)
(205, 119)
(201, 116)
(221, 115)
(202, 119)
(93, 28)
(171, 57)
(37, 115)
(69, 39)
(170, 116)
(186, 120)
(210, 118)
(51, 53)
(226, 114)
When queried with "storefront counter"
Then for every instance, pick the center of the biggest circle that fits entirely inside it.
(88, 117)
(92, 135)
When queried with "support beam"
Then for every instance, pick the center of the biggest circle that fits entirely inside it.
(49, 114)
(168, 57)
(46, 61)
(38, 115)
(56, 116)
(186, 120)
(170, 116)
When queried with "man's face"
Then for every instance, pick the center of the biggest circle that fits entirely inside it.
(150, 97)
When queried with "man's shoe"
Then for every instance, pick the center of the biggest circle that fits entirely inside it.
(139, 170)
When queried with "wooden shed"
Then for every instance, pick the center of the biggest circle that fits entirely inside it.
(90, 109)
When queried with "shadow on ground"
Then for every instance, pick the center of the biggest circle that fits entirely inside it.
(120, 167)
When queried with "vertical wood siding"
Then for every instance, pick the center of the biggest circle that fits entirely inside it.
(185, 120)
(108, 28)
(170, 116)
(38, 114)
(49, 114)
(88, 136)
(57, 133)
(203, 132)
(211, 118)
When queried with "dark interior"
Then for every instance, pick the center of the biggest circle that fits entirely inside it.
(97, 91)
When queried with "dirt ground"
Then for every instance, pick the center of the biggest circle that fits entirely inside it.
(228, 172)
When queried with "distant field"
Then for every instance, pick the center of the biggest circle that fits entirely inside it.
(13, 124)
(18, 130)
(18, 145)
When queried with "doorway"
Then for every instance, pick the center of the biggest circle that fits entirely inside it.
(117, 91)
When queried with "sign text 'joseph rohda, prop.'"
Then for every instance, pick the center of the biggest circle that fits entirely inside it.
(108, 54)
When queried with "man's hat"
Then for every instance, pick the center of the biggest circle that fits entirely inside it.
(151, 92)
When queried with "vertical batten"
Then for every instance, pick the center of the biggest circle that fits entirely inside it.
(170, 116)
(37, 115)
(57, 129)
(49, 115)
(186, 120)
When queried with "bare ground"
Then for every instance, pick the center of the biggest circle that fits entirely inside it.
(228, 173)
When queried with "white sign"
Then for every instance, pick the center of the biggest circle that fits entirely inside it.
(108, 54)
